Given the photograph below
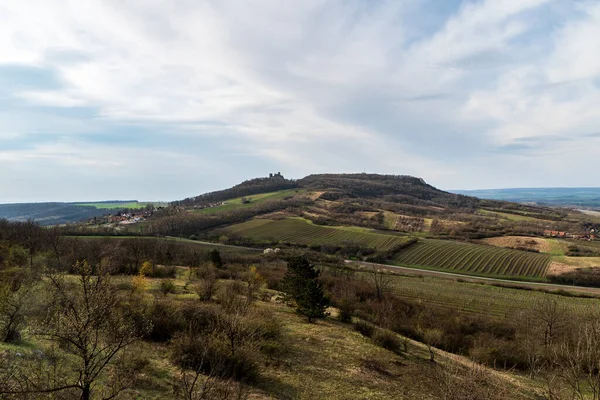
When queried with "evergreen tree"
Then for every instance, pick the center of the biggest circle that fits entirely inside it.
(303, 290)
(215, 258)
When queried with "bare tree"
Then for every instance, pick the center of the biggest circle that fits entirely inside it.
(234, 323)
(14, 301)
(207, 285)
(552, 314)
(530, 338)
(55, 239)
(85, 318)
(33, 238)
(577, 361)
(380, 279)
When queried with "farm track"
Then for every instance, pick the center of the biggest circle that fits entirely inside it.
(415, 271)
(172, 238)
(497, 298)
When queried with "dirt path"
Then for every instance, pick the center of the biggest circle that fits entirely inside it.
(470, 278)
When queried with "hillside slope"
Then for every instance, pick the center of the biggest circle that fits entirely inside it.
(272, 183)
(401, 188)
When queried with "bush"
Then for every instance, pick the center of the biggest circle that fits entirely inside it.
(345, 315)
(163, 271)
(146, 268)
(364, 328)
(124, 285)
(199, 318)
(272, 349)
(167, 286)
(388, 340)
(210, 356)
(266, 327)
(167, 321)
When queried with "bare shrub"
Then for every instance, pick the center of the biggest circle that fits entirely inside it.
(577, 361)
(15, 300)
(388, 340)
(211, 356)
(470, 382)
(207, 285)
(166, 319)
(364, 328)
(207, 375)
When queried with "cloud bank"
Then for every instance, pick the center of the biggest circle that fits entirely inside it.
(166, 99)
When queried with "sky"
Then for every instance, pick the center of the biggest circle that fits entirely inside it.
(161, 100)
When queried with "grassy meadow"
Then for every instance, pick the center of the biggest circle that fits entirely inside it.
(237, 203)
(303, 232)
(481, 299)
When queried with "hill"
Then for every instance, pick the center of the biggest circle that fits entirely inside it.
(64, 213)
(392, 219)
(385, 202)
(395, 188)
(48, 213)
(272, 183)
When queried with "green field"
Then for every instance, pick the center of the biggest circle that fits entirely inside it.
(482, 299)
(236, 203)
(474, 259)
(118, 205)
(505, 215)
(301, 232)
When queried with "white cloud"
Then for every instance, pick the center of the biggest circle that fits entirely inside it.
(553, 96)
(52, 98)
(321, 84)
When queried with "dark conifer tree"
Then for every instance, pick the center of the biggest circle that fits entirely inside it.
(303, 289)
(215, 258)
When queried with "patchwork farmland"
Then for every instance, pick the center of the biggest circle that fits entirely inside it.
(301, 232)
(474, 259)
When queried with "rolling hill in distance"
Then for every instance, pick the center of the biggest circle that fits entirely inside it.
(352, 185)
(56, 213)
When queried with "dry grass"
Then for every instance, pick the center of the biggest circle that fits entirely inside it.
(314, 195)
(580, 262)
(532, 243)
(329, 360)
(558, 268)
